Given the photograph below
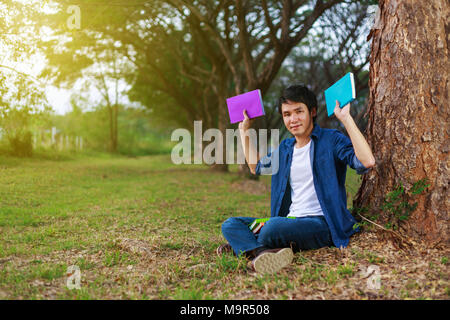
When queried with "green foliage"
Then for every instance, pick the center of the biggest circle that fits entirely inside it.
(356, 211)
(335, 46)
(398, 202)
(369, 2)
(137, 132)
(183, 68)
(23, 107)
(419, 187)
(21, 145)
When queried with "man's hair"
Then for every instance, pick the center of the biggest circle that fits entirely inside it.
(299, 93)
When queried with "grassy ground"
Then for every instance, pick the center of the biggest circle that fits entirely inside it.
(143, 228)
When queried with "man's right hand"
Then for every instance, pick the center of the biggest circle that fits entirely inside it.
(246, 123)
(250, 152)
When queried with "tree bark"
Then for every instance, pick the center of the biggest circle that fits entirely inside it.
(222, 127)
(111, 127)
(115, 131)
(408, 112)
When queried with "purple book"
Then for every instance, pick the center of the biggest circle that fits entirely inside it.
(250, 101)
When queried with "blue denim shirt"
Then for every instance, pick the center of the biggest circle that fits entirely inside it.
(330, 153)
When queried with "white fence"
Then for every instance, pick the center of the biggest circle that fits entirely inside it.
(54, 138)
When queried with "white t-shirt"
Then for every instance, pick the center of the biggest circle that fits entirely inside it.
(303, 194)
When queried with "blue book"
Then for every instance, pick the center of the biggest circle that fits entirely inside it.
(343, 91)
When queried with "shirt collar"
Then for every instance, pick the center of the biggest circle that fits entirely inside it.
(316, 131)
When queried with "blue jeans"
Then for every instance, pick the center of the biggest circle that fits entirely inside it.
(279, 232)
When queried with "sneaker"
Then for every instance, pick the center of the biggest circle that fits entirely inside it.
(272, 260)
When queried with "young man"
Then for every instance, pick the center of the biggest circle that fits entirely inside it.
(308, 183)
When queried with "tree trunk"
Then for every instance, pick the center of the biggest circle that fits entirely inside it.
(115, 131)
(408, 112)
(111, 128)
(222, 124)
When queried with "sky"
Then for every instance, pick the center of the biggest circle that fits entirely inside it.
(58, 98)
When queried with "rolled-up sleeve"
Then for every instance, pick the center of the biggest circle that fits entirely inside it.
(345, 153)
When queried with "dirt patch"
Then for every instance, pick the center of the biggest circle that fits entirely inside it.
(252, 187)
(135, 246)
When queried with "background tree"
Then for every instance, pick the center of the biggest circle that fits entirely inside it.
(23, 106)
(221, 48)
(408, 113)
(98, 65)
(135, 129)
(336, 45)
(106, 74)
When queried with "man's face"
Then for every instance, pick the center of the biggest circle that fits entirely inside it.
(297, 119)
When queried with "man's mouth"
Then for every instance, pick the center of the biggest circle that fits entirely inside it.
(295, 127)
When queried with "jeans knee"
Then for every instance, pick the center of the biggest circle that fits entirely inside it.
(267, 234)
(227, 224)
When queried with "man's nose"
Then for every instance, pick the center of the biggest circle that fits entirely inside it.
(294, 118)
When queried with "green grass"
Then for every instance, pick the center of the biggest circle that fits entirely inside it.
(88, 210)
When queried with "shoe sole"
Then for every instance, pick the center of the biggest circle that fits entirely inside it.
(272, 262)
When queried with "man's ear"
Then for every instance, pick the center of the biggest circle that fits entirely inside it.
(313, 112)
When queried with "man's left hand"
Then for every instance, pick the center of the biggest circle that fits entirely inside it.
(342, 114)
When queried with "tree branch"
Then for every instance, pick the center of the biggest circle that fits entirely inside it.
(178, 4)
(272, 29)
(244, 44)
